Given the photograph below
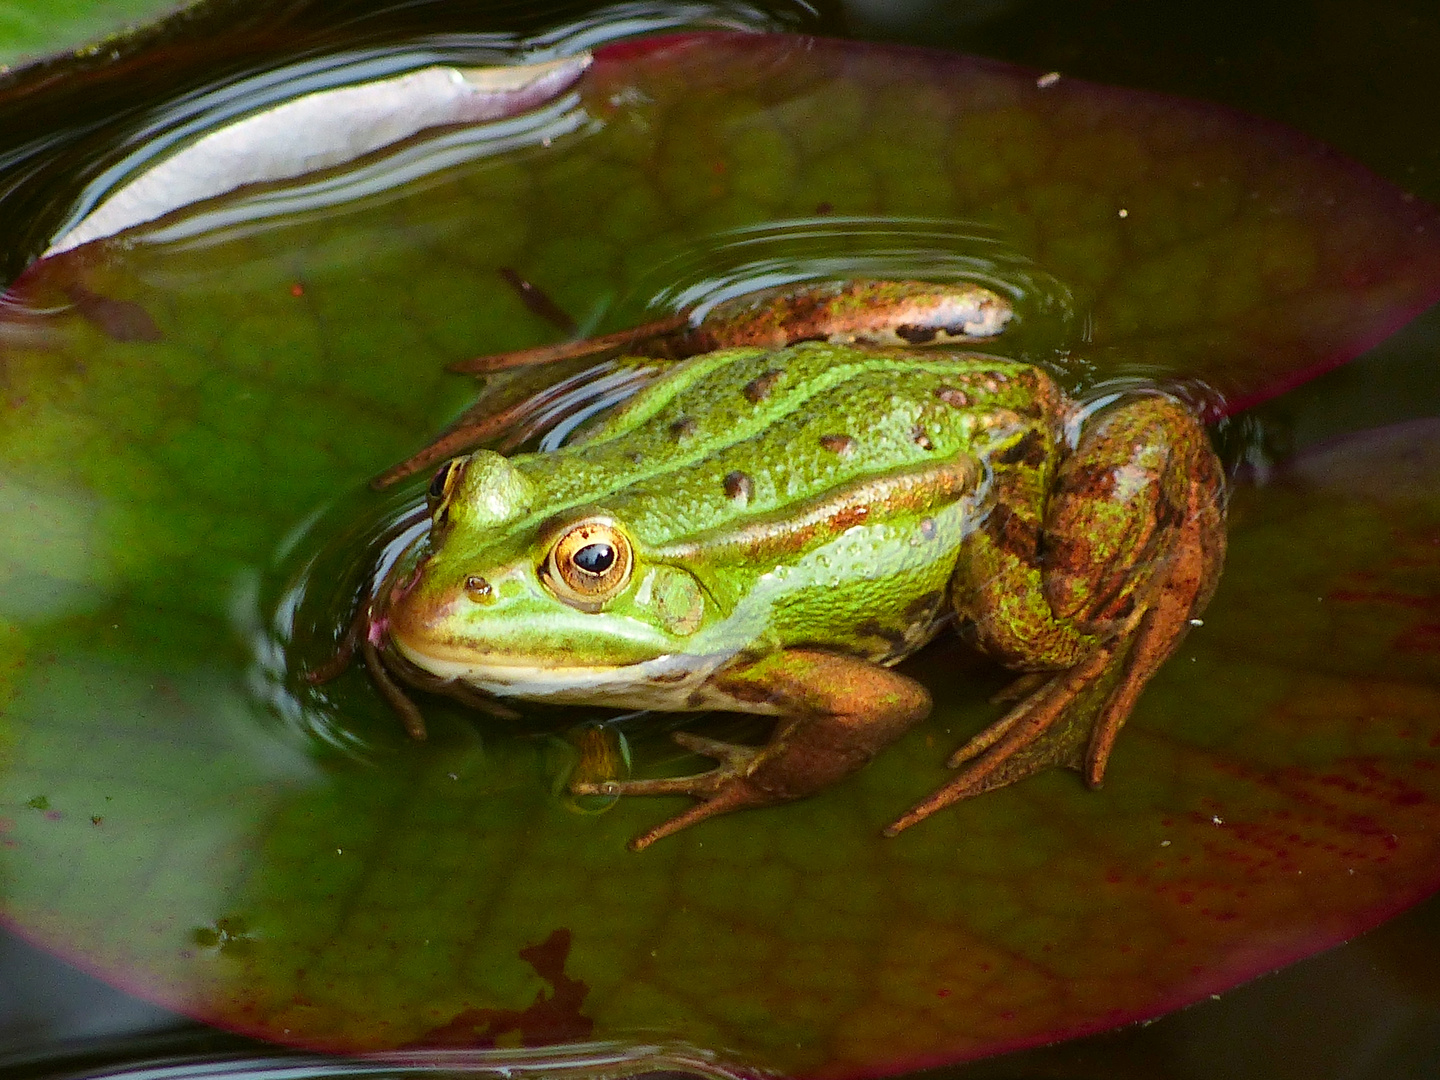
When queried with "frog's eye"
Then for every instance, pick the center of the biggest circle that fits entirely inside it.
(441, 484)
(443, 481)
(589, 564)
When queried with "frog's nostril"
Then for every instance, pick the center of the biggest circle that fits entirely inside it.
(479, 590)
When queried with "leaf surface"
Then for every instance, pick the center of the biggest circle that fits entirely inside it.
(190, 418)
(31, 29)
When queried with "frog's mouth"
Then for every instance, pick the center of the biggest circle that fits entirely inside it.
(670, 683)
(397, 664)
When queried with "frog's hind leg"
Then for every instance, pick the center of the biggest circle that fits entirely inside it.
(1132, 547)
(1180, 593)
(866, 312)
(860, 311)
(1044, 730)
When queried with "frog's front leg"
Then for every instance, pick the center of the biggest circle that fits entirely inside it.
(836, 713)
(1130, 551)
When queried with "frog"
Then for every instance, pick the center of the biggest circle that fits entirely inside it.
(810, 484)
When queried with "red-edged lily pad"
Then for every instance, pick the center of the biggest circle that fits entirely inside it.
(189, 425)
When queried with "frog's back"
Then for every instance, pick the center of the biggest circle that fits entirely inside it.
(746, 432)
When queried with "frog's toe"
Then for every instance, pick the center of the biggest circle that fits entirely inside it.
(737, 794)
(701, 785)
(1018, 689)
(1042, 731)
(962, 787)
(734, 758)
(721, 789)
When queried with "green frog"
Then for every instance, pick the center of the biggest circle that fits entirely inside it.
(814, 484)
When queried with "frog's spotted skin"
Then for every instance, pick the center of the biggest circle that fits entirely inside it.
(769, 555)
(766, 529)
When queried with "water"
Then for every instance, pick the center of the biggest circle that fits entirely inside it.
(1365, 1010)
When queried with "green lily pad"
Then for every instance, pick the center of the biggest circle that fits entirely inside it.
(32, 29)
(190, 418)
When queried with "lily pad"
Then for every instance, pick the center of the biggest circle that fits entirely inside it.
(31, 29)
(191, 417)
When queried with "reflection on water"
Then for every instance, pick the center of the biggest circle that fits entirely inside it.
(323, 131)
(830, 247)
(47, 1006)
(592, 1061)
(324, 112)
(67, 148)
(297, 615)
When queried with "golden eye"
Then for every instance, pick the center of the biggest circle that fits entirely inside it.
(589, 564)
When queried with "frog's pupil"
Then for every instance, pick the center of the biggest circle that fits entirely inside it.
(595, 558)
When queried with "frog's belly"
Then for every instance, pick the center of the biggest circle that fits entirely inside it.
(667, 683)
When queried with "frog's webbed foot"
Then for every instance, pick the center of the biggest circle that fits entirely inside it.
(1161, 567)
(720, 790)
(1019, 689)
(836, 711)
(735, 759)
(1049, 727)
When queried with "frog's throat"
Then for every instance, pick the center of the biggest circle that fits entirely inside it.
(671, 683)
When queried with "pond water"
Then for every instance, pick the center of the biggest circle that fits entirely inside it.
(1366, 1009)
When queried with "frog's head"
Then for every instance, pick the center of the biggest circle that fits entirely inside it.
(508, 597)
